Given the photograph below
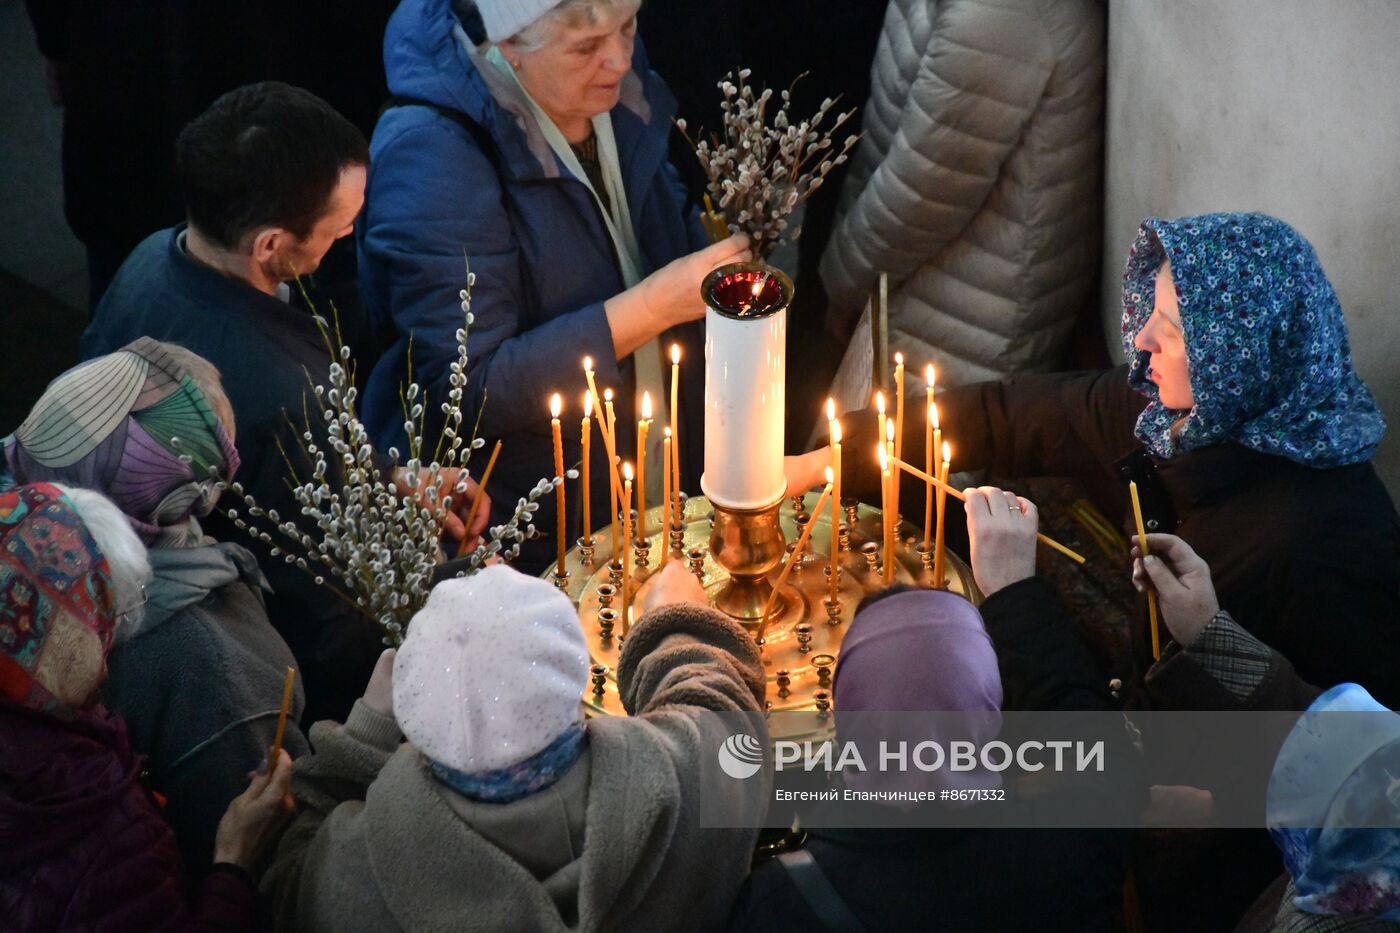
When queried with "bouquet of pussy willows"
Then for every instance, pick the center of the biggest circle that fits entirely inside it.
(758, 172)
(372, 528)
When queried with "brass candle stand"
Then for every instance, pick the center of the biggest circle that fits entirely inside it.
(737, 556)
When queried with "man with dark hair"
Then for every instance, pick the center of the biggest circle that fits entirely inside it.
(272, 176)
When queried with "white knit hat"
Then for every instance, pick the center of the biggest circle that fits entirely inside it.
(504, 18)
(492, 670)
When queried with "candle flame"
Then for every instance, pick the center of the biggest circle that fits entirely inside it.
(889, 431)
(758, 286)
(830, 477)
(587, 402)
(667, 429)
(588, 364)
(884, 457)
(675, 354)
(830, 409)
(607, 395)
(929, 374)
(556, 405)
(646, 406)
(836, 432)
(899, 359)
(880, 402)
(933, 414)
(627, 472)
(947, 452)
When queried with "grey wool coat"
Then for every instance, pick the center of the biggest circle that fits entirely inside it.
(379, 844)
(199, 681)
(977, 183)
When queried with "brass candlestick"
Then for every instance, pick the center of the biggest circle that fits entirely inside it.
(748, 544)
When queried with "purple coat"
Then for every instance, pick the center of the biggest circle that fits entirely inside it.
(83, 845)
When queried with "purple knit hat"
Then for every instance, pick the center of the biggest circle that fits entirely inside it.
(921, 651)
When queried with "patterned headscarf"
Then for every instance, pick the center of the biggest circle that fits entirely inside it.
(1266, 344)
(133, 426)
(53, 582)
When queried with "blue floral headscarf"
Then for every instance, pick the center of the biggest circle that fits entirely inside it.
(1266, 344)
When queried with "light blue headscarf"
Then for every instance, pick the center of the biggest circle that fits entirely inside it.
(1266, 344)
(1334, 806)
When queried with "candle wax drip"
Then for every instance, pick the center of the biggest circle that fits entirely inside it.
(735, 293)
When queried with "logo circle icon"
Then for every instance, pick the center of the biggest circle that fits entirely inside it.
(740, 756)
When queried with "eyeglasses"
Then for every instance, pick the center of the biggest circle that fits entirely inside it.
(145, 598)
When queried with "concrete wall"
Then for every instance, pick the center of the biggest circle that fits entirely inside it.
(1291, 107)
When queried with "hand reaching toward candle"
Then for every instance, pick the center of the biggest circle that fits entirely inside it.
(1001, 528)
(669, 586)
(452, 524)
(1182, 581)
(669, 296)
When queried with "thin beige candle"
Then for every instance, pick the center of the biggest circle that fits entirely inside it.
(666, 489)
(282, 720)
(880, 417)
(626, 546)
(610, 432)
(956, 494)
(586, 429)
(932, 436)
(894, 497)
(794, 557)
(835, 427)
(643, 425)
(608, 444)
(939, 553)
(1151, 594)
(556, 405)
(883, 454)
(480, 498)
(899, 405)
(675, 439)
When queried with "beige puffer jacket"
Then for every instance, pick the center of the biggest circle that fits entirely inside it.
(977, 185)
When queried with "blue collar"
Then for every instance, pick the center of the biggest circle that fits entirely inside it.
(535, 773)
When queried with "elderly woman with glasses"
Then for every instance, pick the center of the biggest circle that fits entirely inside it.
(528, 139)
(196, 668)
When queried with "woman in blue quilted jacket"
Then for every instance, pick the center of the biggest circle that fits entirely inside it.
(529, 139)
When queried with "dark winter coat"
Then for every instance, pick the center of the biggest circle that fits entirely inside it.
(199, 683)
(1305, 559)
(535, 238)
(83, 846)
(268, 352)
(970, 879)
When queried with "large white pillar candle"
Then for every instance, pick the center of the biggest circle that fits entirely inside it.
(745, 351)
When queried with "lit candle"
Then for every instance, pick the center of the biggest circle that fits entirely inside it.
(609, 429)
(666, 489)
(835, 428)
(1151, 594)
(642, 425)
(883, 454)
(893, 491)
(938, 551)
(556, 405)
(675, 439)
(626, 546)
(794, 557)
(880, 417)
(899, 405)
(932, 436)
(587, 433)
(608, 444)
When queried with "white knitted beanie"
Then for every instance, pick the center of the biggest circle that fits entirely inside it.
(492, 670)
(504, 18)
